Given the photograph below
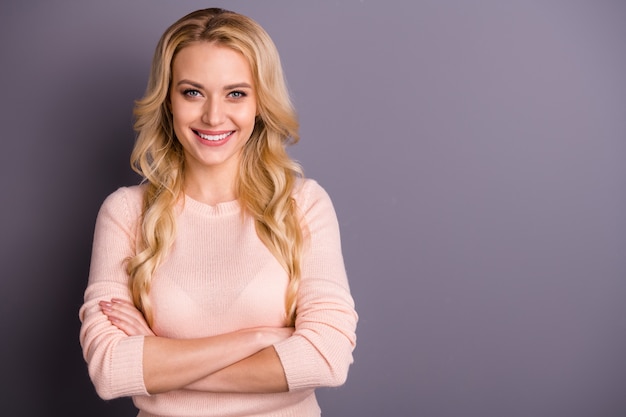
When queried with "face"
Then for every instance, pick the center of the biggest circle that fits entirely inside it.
(213, 104)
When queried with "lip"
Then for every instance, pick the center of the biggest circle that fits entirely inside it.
(207, 142)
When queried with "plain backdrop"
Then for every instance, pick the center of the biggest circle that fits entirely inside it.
(474, 151)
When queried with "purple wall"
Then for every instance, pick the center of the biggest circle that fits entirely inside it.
(474, 152)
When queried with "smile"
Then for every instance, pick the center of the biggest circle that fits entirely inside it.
(214, 138)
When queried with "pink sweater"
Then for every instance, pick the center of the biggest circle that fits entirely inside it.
(218, 278)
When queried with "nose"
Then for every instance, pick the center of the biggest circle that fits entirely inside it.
(213, 112)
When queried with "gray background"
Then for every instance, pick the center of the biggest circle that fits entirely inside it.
(474, 151)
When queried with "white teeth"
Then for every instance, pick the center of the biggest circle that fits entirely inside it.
(214, 137)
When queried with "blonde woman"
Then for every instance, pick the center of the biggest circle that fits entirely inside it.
(217, 286)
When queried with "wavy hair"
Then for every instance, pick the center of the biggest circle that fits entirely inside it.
(267, 174)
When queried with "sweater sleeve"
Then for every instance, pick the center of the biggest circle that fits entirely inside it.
(320, 351)
(114, 360)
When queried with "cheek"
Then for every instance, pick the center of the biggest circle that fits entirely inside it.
(180, 119)
(248, 117)
(183, 111)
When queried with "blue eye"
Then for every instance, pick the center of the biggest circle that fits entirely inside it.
(237, 94)
(191, 93)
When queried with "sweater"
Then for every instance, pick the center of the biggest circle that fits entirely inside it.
(217, 278)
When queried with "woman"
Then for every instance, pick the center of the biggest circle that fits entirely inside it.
(217, 286)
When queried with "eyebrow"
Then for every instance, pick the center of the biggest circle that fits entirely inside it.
(238, 85)
(226, 87)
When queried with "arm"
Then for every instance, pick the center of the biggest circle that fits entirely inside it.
(171, 364)
(259, 373)
(114, 360)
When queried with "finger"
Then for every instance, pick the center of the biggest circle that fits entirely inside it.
(129, 326)
(122, 301)
(123, 315)
(126, 318)
(124, 326)
(131, 317)
(126, 308)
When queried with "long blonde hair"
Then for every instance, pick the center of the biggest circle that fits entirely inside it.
(267, 174)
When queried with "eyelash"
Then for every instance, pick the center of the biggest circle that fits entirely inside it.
(240, 94)
(191, 92)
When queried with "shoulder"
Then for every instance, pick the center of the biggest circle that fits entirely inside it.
(128, 196)
(125, 202)
(314, 202)
(308, 192)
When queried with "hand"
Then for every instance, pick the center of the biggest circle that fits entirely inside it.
(126, 317)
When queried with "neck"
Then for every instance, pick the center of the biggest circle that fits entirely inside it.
(210, 189)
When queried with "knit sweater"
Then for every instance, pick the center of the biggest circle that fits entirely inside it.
(218, 278)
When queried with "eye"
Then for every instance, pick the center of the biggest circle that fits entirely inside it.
(236, 94)
(190, 92)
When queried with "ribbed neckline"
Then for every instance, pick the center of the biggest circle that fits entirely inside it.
(220, 209)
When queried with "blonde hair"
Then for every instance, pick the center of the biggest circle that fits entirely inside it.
(267, 174)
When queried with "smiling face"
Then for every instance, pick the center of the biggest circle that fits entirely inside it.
(213, 104)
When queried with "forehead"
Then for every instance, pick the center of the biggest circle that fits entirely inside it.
(204, 62)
